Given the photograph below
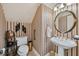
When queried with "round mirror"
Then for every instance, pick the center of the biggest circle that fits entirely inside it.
(65, 21)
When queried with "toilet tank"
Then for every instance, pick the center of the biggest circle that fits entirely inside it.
(21, 40)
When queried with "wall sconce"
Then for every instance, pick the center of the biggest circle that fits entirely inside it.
(59, 6)
(55, 9)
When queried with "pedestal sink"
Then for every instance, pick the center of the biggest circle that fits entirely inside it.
(63, 44)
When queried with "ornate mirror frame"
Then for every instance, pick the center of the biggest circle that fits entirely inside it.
(75, 22)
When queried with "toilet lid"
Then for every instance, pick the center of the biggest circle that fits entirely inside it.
(23, 50)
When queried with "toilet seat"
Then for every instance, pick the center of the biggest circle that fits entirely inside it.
(23, 50)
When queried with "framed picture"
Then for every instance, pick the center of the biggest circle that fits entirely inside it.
(23, 29)
(18, 27)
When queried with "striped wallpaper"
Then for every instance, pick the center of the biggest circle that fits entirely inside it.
(43, 49)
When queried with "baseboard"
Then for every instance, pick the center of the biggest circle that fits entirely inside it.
(48, 54)
(37, 54)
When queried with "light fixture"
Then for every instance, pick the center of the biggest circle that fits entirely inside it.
(55, 9)
(61, 6)
(58, 6)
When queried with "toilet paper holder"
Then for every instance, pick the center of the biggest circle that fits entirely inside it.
(2, 51)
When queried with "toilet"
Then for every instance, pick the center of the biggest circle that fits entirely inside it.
(22, 46)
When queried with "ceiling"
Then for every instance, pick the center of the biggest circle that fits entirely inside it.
(22, 11)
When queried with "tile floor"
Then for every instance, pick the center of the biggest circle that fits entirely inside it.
(31, 53)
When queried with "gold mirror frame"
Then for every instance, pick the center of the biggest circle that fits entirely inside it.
(75, 22)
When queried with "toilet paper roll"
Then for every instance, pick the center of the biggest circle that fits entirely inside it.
(49, 32)
(2, 51)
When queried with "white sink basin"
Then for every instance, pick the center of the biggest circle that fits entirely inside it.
(63, 44)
